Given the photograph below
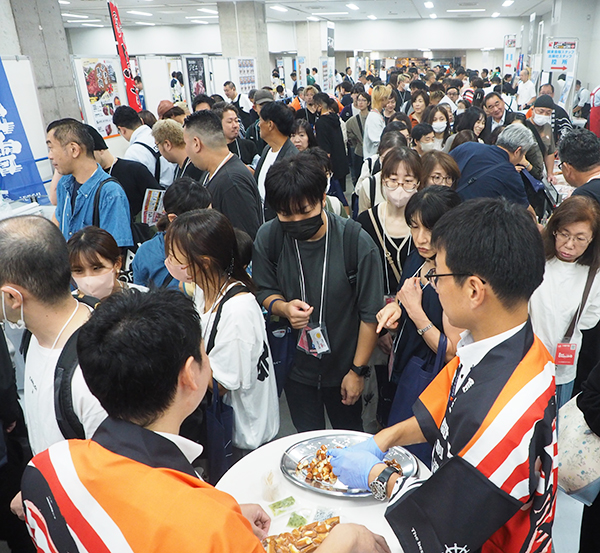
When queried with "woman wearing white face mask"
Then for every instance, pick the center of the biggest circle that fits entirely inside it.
(540, 124)
(385, 223)
(95, 260)
(423, 137)
(438, 118)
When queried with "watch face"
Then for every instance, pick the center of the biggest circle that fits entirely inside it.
(378, 489)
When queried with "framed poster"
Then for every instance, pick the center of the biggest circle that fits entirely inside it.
(246, 74)
(196, 76)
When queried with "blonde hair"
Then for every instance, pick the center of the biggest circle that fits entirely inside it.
(380, 95)
(168, 129)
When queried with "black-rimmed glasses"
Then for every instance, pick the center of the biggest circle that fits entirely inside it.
(433, 277)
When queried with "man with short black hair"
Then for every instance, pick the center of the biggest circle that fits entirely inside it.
(243, 148)
(497, 115)
(561, 123)
(319, 271)
(579, 154)
(490, 414)
(261, 97)
(230, 183)
(142, 147)
(85, 191)
(348, 76)
(202, 102)
(240, 101)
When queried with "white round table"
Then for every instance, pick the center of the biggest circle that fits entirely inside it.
(245, 482)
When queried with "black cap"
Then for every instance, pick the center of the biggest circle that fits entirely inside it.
(99, 143)
(544, 101)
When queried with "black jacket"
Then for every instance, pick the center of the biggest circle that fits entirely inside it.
(330, 138)
(486, 133)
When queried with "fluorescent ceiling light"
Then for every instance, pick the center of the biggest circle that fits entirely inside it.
(433, 16)
(200, 21)
(469, 10)
(429, 5)
(91, 25)
(64, 2)
(495, 14)
(74, 15)
(206, 10)
(371, 17)
(278, 8)
(508, 3)
(145, 23)
(86, 21)
(331, 13)
(145, 14)
(208, 16)
(312, 18)
(352, 6)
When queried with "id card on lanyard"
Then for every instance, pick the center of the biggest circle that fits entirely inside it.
(313, 339)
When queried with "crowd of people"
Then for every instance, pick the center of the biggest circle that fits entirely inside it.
(405, 237)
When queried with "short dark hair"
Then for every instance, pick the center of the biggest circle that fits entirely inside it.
(202, 99)
(147, 118)
(491, 95)
(303, 124)
(229, 83)
(291, 183)
(137, 79)
(175, 111)
(89, 244)
(497, 241)
(420, 130)
(127, 117)
(185, 194)
(346, 86)
(33, 254)
(132, 349)
(422, 94)
(348, 68)
(418, 85)
(469, 136)
(580, 148)
(207, 125)
(429, 204)
(221, 107)
(551, 86)
(391, 139)
(281, 115)
(395, 156)
(317, 156)
(70, 130)
(575, 209)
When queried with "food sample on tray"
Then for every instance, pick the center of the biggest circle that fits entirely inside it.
(395, 464)
(319, 468)
(301, 540)
(282, 506)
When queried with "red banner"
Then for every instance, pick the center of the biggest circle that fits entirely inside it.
(132, 95)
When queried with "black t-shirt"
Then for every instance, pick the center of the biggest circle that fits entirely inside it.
(305, 113)
(590, 189)
(135, 179)
(191, 171)
(244, 149)
(344, 307)
(235, 194)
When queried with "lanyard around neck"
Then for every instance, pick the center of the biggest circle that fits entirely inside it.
(225, 160)
(302, 282)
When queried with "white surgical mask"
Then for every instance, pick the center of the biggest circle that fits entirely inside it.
(97, 286)
(20, 324)
(439, 126)
(428, 147)
(398, 197)
(541, 120)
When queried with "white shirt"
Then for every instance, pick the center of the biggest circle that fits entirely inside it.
(270, 158)
(139, 153)
(582, 97)
(239, 345)
(244, 102)
(553, 305)
(38, 397)
(374, 126)
(525, 91)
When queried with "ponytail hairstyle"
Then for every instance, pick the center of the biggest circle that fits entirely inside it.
(327, 101)
(208, 241)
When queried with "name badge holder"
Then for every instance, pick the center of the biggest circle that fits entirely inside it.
(566, 351)
(313, 339)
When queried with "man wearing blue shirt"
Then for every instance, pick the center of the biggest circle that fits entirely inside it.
(490, 171)
(71, 152)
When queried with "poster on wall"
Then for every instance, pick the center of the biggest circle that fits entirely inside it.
(301, 72)
(246, 74)
(19, 174)
(103, 93)
(510, 53)
(196, 76)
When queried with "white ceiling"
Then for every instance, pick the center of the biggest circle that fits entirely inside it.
(185, 12)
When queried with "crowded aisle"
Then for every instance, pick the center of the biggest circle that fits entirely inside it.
(403, 265)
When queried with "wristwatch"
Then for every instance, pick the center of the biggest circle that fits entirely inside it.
(421, 331)
(379, 486)
(363, 370)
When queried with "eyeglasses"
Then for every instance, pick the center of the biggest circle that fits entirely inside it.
(560, 165)
(392, 184)
(566, 237)
(438, 179)
(433, 277)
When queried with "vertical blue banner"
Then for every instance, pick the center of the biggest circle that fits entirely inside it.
(18, 172)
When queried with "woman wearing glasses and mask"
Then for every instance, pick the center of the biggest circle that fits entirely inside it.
(572, 247)
(417, 314)
(439, 169)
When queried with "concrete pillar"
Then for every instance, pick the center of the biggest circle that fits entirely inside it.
(308, 42)
(9, 40)
(42, 37)
(244, 33)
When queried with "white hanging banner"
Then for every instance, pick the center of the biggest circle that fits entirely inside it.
(510, 54)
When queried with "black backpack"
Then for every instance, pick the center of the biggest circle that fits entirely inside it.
(157, 157)
(68, 421)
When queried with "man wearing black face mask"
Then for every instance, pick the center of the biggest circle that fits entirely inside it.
(323, 274)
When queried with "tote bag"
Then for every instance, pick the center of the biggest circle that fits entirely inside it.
(219, 430)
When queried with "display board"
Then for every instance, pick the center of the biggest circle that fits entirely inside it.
(154, 71)
(510, 54)
(194, 74)
(101, 90)
(30, 133)
(219, 73)
(245, 68)
(560, 55)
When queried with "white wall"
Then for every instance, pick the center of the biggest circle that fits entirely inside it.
(281, 37)
(9, 40)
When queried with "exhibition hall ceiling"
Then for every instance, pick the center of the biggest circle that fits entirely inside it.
(94, 13)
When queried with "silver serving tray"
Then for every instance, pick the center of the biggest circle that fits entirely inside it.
(306, 449)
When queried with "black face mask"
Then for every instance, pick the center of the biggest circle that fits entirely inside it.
(303, 229)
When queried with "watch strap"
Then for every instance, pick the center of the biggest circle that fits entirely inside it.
(363, 370)
(379, 485)
(423, 330)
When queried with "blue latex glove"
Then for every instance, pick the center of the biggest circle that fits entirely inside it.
(371, 446)
(352, 466)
